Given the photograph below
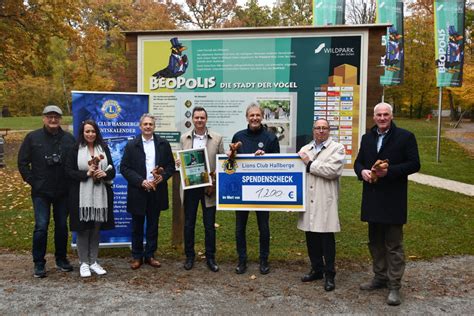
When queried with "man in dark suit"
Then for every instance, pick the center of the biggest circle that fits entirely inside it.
(147, 195)
(384, 197)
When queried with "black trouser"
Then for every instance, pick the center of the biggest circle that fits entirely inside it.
(152, 217)
(263, 218)
(386, 249)
(191, 203)
(322, 252)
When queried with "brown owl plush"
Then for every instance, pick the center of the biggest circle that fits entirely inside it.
(378, 165)
(157, 176)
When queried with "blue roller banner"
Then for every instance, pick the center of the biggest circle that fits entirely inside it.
(117, 115)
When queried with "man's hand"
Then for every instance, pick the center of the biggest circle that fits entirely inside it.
(304, 156)
(366, 175)
(259, 152)
(178, 162)
(147, 185)
(158, 179)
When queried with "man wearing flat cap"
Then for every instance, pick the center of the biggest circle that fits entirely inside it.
(41, 164)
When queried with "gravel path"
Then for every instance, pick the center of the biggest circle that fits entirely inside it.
(444, 285)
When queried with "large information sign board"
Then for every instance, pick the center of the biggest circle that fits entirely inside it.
(272, 182)
(295, 79)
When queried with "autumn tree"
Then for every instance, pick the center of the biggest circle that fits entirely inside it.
(25, 31)
(252, 15)
(294, 12)
(68, 45)
(360, 11)
(207, 14)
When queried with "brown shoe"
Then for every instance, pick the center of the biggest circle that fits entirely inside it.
(136, 263)
(153, 262)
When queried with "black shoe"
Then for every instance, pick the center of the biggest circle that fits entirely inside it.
(312, 276)
(212, 265)
(264, 267)
(40, 271)
(63, 265)
(373, 284)
(188, 264)
(393, 298)
(241, 267)
(329, 284)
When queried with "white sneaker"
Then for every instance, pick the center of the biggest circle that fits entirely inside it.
(97, 269)
(85, 271)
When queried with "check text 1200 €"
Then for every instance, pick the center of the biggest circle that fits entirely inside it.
(273, 182)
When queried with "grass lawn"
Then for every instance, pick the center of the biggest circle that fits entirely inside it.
(455, 162)
(28, 122)
(440, 223)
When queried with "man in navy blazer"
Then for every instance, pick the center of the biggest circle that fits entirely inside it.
(147, 196)
(384, 202)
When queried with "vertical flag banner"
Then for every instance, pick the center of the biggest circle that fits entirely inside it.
(449, 42)
(118, 116)
(328, 12)
(391, 11)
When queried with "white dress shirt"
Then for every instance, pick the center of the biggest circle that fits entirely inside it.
(149, 148)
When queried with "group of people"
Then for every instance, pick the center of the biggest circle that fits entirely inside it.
(74, 177)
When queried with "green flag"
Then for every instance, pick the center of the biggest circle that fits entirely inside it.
(391, 11)
(449, 42)
(328, 12)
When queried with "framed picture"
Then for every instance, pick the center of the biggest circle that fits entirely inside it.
(194, 168)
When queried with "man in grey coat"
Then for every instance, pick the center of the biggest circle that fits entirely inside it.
(324, 159)
(384, 197)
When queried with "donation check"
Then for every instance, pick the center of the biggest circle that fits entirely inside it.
(272, 182)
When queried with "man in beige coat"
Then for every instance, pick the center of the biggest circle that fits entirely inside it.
(324, 160)
(201, 137)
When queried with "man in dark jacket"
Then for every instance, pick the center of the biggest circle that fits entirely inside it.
(255, 140)
(147, 196)
(41, 164)
(384, 197)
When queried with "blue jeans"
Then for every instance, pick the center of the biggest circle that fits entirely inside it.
(263, 218)
(42, 209)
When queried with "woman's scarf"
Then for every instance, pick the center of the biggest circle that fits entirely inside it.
(92, 195)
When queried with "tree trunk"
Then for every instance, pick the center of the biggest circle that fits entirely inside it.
(454, 114)
(420, 108)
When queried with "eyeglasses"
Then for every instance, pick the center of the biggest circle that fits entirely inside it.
(53, 117)
(321, 128)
